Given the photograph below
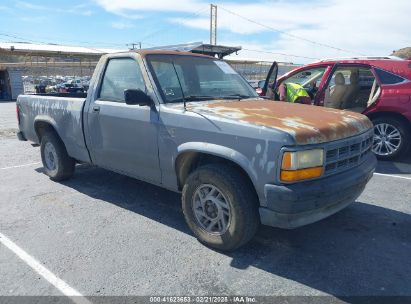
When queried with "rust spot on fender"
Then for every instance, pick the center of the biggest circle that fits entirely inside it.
(307, 124)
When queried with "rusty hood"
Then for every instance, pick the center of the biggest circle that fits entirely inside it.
(305, 123)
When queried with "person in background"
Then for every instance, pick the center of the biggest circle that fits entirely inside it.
(294, 93)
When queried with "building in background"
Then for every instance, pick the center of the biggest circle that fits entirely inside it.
(30, 68)
(258, 70)
(23, 66)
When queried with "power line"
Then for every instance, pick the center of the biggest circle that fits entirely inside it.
(16, 36)
(24, 39)
(288, 34)
(44, 43)
(277, 53)
(169, 28)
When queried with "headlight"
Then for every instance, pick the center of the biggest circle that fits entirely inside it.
(301, 165)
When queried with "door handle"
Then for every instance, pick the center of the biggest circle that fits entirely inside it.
(96, 109)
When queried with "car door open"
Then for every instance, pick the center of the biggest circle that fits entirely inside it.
(271, 81)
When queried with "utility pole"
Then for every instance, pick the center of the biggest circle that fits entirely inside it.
(134, 45)
(213, 24)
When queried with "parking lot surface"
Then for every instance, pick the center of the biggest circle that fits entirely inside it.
(106, 234)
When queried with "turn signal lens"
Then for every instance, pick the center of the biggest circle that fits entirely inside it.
(302, 174)
(287, 162)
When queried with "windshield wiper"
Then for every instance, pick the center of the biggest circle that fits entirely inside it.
(209, 97)
(236, 96)
(192, 98)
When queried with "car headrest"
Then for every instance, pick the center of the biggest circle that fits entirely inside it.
(339, 79)
(354, 78)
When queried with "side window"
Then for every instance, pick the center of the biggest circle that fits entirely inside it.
(307, 78)
(387, 77)
(120, 74)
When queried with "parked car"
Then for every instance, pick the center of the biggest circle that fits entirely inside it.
(379, 87)
(69, 87)
(191, 124)
(40, 88)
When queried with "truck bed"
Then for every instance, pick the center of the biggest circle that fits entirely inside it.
(65, 114)
(68, 95)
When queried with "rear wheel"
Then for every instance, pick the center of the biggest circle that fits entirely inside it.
(58, 165)
(391, 138)
(220, 207)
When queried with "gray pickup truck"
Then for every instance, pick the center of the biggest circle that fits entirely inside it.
(191, 124)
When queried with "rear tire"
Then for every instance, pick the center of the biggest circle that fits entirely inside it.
(220, 196)
(58, 165)
(391, 138)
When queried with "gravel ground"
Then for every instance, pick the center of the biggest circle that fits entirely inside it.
(106, 234)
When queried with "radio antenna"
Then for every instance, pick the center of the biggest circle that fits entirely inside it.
(181, 87)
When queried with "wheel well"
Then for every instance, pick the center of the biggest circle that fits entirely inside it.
(187, 162)
(41, 127)
(395, 115)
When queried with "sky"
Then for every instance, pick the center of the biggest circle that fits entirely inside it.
(290, 31)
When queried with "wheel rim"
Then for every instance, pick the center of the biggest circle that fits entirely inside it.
(387, 139)
(50, 156)
(211, 209)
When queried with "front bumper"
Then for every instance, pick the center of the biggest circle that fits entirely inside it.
(295, 205)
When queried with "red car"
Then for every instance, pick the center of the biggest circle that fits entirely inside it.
(379, 87)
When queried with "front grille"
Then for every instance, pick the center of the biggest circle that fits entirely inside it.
(348, 153)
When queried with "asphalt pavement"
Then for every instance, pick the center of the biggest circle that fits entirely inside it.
(101, 233)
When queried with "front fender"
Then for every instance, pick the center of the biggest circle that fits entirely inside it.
(220, 151)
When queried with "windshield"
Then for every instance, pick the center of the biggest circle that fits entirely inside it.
(196, 78)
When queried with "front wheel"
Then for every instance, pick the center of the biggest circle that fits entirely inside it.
(220, 207)
(391, 138)
(58, 165)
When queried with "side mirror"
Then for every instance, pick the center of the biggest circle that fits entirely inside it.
(137, 97)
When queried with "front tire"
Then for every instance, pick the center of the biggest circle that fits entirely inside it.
(220, 207)
(391, 138)
(58, 165)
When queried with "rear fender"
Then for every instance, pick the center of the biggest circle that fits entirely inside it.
(43, 119)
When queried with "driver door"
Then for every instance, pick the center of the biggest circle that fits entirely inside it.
(123, 137)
